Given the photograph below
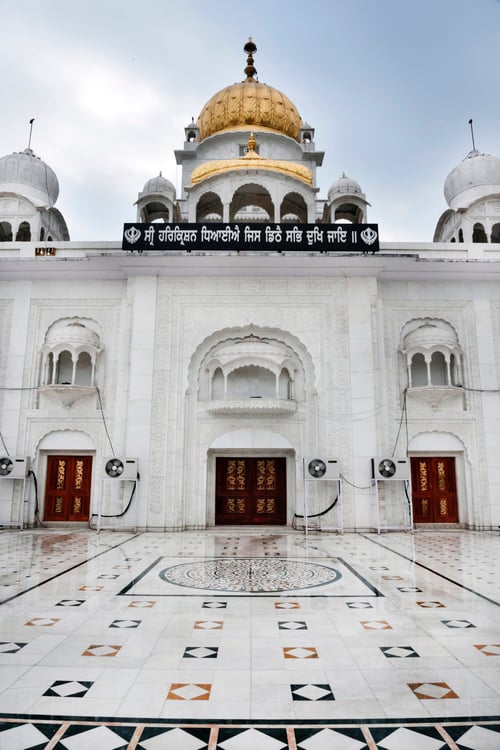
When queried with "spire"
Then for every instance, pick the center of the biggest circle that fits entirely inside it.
(250, 48)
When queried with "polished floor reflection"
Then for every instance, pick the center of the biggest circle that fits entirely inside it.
(249, 639)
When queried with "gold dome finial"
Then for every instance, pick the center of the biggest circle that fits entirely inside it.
(250, 48)
(251, 143)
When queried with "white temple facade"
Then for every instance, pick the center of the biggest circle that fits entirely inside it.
(215, 376)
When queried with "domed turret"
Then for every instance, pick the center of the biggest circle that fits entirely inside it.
(346, 201)
(159, 185)
(28, 175)
(249, 104)
(471, 190)
(477, 176)
(156, 200)
(34, 184)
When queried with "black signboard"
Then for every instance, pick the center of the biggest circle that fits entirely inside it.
(251, 237)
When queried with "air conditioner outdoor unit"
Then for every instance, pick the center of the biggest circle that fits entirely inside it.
(387, 469)
(14, 467)
(321, 469)
(124, 469)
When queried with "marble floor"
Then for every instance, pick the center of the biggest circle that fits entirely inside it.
(251, 639)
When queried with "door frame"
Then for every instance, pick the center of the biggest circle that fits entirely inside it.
(42, 482)
(290, 477)
(460, 484)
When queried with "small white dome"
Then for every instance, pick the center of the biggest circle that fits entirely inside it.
(74, 334)
(428, 336)
(477, 176)
(26, 174)
(157, 185)
(344, 186)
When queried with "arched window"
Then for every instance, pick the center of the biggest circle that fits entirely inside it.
(5, 231)
(245, 198)
(439, 370)
(69, 355)
(495, 233)
(155, 211)
(432, 354)
(251, 382)
(83, 373)
(293, 208)
(24, 232)
(251, 374)
(64, 369)
(209, 208)
(218, 387)
(478, 233)
(418, 370)
(460, 235)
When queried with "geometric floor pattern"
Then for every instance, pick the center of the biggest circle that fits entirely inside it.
(37, 735)
(249, 639)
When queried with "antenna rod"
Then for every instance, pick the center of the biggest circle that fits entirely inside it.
(31, 130)
(472, 135)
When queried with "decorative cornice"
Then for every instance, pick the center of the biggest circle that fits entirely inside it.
(252, 406)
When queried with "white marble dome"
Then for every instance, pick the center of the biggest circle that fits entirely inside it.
(476, 177)
(428, 336)
(27, 174)
(158, 185)
(74, 334)
(344, 186)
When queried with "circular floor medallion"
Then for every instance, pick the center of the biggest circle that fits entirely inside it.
(250, 574)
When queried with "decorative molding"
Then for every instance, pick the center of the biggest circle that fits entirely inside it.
(252, 406)
(67, 395)
(437, 395)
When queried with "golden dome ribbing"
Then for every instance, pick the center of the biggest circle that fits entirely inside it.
(249, 104)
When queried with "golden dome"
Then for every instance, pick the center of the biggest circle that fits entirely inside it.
(251, 160)
(249, 104)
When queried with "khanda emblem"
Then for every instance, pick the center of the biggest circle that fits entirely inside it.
(132, 235)
(369, 236)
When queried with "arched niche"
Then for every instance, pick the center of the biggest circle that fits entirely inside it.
(68, 441)
(248, 195)
(293, 208)
(209, 208)
(436, 442)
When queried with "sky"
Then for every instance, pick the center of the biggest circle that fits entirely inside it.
(388, 85)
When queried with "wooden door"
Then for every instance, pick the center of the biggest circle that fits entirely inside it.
(250, 490)
(67, 493)
(434, 490)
